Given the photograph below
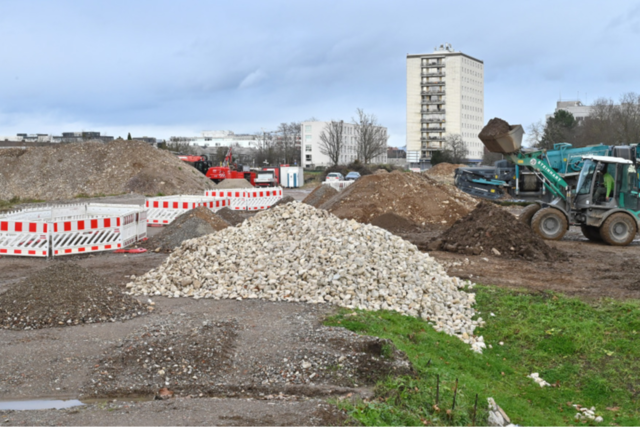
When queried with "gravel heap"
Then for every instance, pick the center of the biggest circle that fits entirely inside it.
(233, 183)
(319, 195)
(64, 294)
(64, 171)
(232, 217)
(493, 231)
(194, 223)
(414, 196)
(334, 261)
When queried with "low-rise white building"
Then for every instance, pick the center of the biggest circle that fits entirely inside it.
(576, 108)
(311, 152)
(219, 138)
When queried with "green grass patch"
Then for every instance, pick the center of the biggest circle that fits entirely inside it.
(11, 203)
(589, 352)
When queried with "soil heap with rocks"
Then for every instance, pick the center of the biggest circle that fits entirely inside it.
(95, 169)
(194, 223)
(319, 195)
(444, 172)
(230, 183)
(284, 201)
(416, 197)
(495, 128)
(395, 223)
(337, 261)
(489, 230)
(64, 294)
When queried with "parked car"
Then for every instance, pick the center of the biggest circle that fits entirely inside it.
(334, 176)
(352, 176)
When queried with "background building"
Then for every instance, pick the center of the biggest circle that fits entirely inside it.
(576, 108)
(311, 149)
(445, 96)
(219, 138)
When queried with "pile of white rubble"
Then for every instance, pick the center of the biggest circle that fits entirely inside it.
(296, 252)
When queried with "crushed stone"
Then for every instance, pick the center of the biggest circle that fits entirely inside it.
(65, 294)
(194, 223)
(284, 201)
(233, 183)
(341, 262)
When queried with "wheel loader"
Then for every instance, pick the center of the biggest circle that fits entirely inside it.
(608, 213)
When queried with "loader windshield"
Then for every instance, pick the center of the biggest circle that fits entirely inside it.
(586, 176)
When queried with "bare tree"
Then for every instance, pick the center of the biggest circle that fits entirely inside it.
(489, 158)
(267, 152)
(455, 148)
(332, 141)
(181, 147)
(612, 124)
(371, 138)
(296, 138)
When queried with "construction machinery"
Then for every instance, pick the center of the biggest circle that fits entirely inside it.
(229, 170)
(506, 179)
(201, 163)
(604, 201)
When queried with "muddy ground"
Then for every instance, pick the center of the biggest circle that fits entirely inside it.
(278, 365)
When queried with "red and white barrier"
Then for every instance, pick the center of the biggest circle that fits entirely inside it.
(249, 199)
(69, 229)
(163, 210)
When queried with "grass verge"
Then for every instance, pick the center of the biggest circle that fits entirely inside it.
(590, 353)
(9, 204)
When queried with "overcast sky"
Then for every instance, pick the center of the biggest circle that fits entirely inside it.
(164, 68)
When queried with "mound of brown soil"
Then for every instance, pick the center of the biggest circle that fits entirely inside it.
(416, 197)
(64, 171)
(319, 195)
(381, 172)
(443, 170)
(233, 183)
(495, 128)
(232, 217)
(395, 223)
(64, 294)
(192, 224)
(284, 201)
(490, 230)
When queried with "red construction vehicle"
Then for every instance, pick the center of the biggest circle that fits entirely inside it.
(230, 171)
(201, 163)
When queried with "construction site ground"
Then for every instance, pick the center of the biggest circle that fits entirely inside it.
(55, 363)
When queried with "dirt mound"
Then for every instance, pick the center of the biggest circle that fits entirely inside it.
(233, 183)
(381, 172)
(395, 223)
(490, 230)
(494, 128)
(232, 217)
(64, 294)
(189, 225)
(443, 170)
(284, 201)
(319, 195)
(417, 197)
(65, 171)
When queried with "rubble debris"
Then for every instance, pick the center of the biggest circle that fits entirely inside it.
(65, 294)
(337, 261)
(489, 230)
(65, 171)
(194, 223)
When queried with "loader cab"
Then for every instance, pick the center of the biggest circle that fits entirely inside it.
(591, 189)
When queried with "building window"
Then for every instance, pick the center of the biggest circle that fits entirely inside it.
(307, 128)
(308, 157)
(307, 147)
(307, 137)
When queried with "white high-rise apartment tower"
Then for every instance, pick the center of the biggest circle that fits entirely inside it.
(445, 96)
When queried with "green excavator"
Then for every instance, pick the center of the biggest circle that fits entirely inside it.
(604, 202)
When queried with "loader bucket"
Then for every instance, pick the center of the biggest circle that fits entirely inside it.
(507, 143)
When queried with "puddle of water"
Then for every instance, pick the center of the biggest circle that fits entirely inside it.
(30, 405)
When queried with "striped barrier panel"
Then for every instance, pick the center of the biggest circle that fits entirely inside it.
(142, 225)
(24, 238)
(164, 210)
(86, 235)
(260, 199)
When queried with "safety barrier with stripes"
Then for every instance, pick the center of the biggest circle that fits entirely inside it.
(68, 229)
(248, 199)
(163, 210)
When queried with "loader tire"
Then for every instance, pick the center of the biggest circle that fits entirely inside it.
(549, 223)
(619, 229)
(528, 213)
(590, 232)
